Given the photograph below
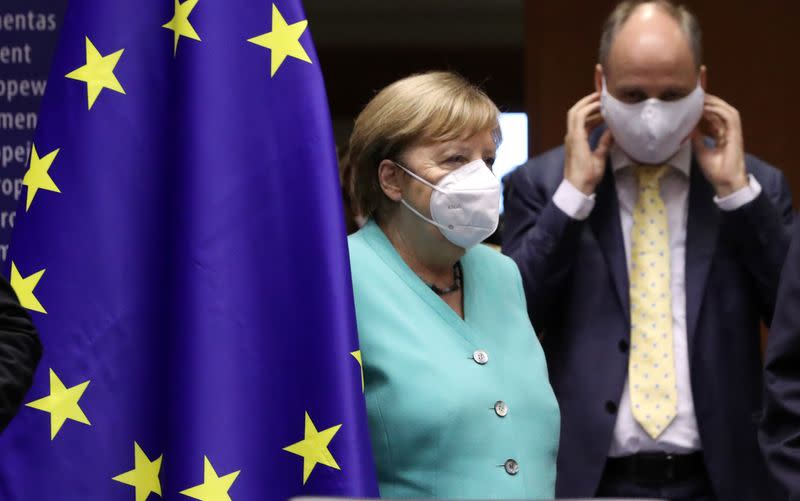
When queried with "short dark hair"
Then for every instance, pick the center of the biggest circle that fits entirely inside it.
(624, 10)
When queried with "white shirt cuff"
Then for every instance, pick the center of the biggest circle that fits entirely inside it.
(573, 202)
(741, 197)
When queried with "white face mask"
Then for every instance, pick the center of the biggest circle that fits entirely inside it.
(653, 130)
(465, 204)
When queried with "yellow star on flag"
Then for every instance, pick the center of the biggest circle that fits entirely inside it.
(180, 24)
(98, 72)
(357, 355)
(23, 287)
(214, 487)
(144, 475)
(37, 176)
(314, 448)
(62, 404)
(283, 40)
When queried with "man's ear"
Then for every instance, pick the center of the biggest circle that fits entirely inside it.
(390, 177)
(703, 77)
(598, 78)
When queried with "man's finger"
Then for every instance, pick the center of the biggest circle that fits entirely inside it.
(584, 113)
(729, 129)
(698, 142)
(728, 114)
(712, 99)
(716, 123)
(724, 112)
(594, 96)
(594, 119)
(706, 126)
(573, 117)
(579, 129)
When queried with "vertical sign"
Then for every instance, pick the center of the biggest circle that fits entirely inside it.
(28, 37)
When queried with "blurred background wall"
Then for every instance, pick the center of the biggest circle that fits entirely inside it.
(364, 45)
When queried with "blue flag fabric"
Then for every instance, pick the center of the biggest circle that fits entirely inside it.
(181, 246)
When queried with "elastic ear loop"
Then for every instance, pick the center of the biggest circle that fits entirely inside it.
(415, 211)
(431, 221)
(420, 179)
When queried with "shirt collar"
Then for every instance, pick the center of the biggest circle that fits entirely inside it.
(681, 160)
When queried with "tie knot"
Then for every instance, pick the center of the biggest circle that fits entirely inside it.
(649, 175)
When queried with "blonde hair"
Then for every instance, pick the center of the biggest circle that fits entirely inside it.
(429, 107)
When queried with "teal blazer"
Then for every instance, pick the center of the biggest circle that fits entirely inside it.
(442, 424)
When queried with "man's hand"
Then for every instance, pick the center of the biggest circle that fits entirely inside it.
(584, 168)
(723, 163)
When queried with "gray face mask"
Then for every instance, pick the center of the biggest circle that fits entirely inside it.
(653, 130)
(465, 204)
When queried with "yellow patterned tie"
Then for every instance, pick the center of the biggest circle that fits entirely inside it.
(651, 368)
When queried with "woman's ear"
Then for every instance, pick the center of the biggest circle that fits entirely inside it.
(390, 177)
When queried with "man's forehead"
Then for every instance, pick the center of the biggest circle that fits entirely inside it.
(650, 70)
(651, 76)
(650, 37)
(648, 58)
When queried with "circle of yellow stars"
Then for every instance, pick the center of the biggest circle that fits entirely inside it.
(98, 73)
(63, 403)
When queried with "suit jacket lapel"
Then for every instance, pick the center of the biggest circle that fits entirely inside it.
(607, 227)
(701, 240)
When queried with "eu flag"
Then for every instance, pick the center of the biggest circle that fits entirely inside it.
(181, 246)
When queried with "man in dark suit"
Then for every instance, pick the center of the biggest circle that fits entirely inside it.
(20, 351)
(650, 253)
(780, 430)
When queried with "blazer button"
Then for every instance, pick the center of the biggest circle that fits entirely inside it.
(623, 345)
(480, 357)
(500, 408)
(511, 466)
(611, 407)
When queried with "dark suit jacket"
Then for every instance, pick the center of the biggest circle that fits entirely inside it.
(780, 430)
(20, 351)
(576, 283)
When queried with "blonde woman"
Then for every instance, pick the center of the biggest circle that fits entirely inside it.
(457, 391)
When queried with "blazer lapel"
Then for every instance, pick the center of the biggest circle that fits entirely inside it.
(607, 227)
(702, 231)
